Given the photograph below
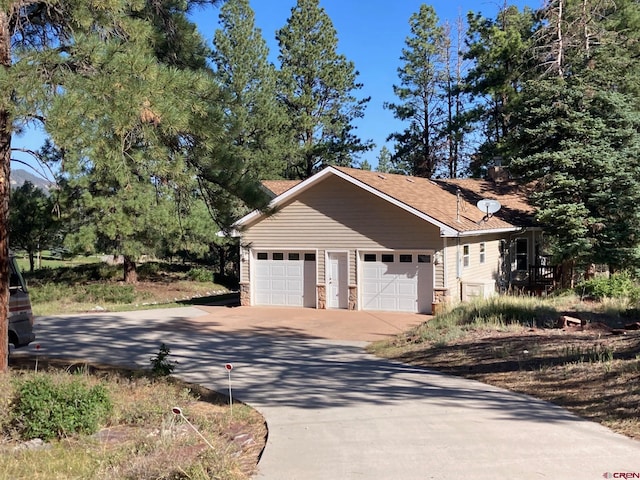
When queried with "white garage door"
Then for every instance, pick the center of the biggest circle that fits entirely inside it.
(398, 282)
(284, 279)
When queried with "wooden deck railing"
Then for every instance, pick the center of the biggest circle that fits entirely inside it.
(543, 277)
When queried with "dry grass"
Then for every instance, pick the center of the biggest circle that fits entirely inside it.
(144, 439)
(589, 370)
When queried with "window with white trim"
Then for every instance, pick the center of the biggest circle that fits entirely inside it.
(466, 255)
(483, 252)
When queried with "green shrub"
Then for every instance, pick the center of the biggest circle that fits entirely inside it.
(46, 409)
(499, 311)
(148, 269)
(49, 292)
(200, 275)
(618, 285)
(160, 365)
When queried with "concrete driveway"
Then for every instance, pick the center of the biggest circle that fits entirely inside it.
(335, 412)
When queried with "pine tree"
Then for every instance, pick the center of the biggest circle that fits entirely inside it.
(420, 149)
(501, 51)
(455, 132)
(255, 119)
(384, 160)
(32, 220)
(317, 87)
(576, 136)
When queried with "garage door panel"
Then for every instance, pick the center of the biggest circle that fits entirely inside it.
(407, 288)
(277, 270)
(294, 270)
(407, 305)
(281, 282)
(396, 286)
(388, 303)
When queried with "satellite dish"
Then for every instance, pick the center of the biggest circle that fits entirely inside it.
(489, 207)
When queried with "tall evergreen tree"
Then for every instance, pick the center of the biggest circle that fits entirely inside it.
(456, 131)
(577, 135)
(254, 118)
(125, 149)
(317, 87)
(33, 222)
(501, 51)
(384, 160)
(420, 149)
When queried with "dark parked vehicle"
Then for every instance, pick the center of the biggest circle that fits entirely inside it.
(20, 314)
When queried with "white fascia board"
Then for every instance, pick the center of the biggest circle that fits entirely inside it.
(475, 233)
(246, 219)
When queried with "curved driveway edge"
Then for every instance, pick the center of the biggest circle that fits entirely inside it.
(335, 412)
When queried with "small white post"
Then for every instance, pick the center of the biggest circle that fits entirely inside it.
(178, 411)
(229, 367)
(37, 351)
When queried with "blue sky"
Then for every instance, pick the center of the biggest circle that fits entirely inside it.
(371, 33)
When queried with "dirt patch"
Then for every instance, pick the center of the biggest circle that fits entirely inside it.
(172, 291)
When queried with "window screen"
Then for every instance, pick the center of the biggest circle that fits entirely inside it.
(466, 257)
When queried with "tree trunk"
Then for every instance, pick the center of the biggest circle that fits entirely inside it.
(32, 261)
(566, 273)
(130, 272)
(5, 165)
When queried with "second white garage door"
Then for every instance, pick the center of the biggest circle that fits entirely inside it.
(284, 279)
(398, 282)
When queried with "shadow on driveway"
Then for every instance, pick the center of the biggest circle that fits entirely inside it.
(274, 367)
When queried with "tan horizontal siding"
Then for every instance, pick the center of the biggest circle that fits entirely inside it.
(439, 276)
(450, 263)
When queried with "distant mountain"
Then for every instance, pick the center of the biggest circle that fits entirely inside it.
(19, 176)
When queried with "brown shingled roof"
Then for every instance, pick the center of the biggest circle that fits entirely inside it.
(439, 199)
(278, 187)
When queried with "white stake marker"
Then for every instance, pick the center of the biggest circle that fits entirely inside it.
(229, 367)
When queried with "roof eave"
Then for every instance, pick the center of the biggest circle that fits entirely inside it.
(489, 231)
